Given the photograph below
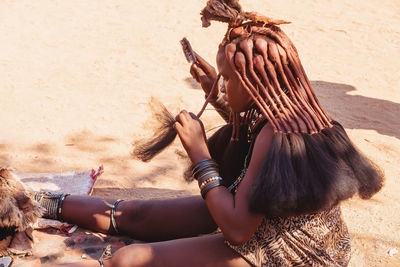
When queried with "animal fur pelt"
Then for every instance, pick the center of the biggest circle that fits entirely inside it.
(17, 213)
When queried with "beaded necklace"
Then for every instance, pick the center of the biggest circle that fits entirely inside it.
(251, 136)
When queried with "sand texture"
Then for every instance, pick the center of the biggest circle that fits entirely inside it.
(76, 76)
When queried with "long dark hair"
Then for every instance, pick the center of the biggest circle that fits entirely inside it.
(305, 173)
(311, 164)
(164, 134)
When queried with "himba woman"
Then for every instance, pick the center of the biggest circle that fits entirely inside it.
(271, 179)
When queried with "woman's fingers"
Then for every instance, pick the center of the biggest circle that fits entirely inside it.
(191, 133)
(178, 127)
(193, 72)
(205, 80)
(204, 74)
(193, 116)
(183, 117)
(196, 72)
(205, 66)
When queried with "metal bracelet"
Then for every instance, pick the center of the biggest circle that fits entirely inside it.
(203, 165)
(51, 203)
(112, 213)
(209, 180)
(207, 174)
(59, 207)
(210, 186)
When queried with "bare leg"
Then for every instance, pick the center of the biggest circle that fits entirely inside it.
(201, 251)
(148, 220)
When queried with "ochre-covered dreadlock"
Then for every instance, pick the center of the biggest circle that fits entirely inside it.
(311, 164)
(258, 50)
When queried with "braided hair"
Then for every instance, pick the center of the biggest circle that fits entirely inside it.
(311, 164)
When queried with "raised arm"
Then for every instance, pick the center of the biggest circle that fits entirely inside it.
(231, 213)
(205, 74)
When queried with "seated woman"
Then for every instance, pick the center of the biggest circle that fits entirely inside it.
(271, 179)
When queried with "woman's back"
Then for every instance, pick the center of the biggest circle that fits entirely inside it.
(316, 239)
(319, 239)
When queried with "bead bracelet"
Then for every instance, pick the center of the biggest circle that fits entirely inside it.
(207, 181)
(209, 186)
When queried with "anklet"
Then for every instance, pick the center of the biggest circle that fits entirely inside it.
(112, 214)
(52, 203)
(59, 208)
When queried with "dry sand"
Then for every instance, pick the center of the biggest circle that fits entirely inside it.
(75, 78)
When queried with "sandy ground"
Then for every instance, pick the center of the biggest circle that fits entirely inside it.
(75, 78)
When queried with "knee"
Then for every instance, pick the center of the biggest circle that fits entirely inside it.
(130, 212)
(136, 255)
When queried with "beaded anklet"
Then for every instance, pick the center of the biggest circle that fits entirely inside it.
(51, 203)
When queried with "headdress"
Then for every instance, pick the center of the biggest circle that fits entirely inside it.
(311, 163)
(258, 50)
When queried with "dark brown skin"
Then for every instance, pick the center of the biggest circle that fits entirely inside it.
(204, 74)
(230, 50)
(229, 212)
(158, 220)
(280, 57)
(163, 220)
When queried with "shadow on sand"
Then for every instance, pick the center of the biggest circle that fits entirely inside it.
(358, 112)
(352, 111)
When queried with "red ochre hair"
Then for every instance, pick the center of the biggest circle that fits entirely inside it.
(311, 164)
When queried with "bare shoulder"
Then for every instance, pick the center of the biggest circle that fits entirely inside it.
(262, 144)
(264, 138)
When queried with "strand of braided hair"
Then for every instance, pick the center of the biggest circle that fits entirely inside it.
(311, 164)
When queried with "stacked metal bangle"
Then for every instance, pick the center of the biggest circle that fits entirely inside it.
(52, 203)
(207, 175)
(214, 182)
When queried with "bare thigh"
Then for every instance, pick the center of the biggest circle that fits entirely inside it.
(147, 220)
(209, 250)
